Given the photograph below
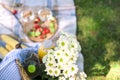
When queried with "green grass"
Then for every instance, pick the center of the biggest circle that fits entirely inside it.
(98, 31)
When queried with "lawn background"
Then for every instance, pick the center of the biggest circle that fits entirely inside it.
(98, 31)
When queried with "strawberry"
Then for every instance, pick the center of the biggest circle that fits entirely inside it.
(14, 12)
(42, 36)
(46, 30)
(43, 32)
(36, 26)
(36, 20)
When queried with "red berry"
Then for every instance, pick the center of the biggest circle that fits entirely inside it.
(43, 33)
(14, 12)
(37, 20)
(36, 26)
(46, 30)
(42, 36)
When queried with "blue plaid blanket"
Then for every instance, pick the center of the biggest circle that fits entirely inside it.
(63, 10)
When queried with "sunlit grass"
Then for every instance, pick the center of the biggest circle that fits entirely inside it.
(98, 31)
(88, 26)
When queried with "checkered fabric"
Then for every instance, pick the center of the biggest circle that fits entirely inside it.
(8, 67)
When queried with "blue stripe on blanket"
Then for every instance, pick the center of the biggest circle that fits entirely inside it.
(17, 1)
(16, 29)
(49, 3)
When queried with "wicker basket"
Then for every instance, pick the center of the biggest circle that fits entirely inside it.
(23, 73)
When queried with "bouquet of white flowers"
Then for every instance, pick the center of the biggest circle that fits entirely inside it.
(60, 62)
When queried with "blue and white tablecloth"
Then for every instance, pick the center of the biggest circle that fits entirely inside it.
(63, 10)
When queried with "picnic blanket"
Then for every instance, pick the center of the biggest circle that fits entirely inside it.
(63, 10)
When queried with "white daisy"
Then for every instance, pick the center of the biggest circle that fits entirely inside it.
(50, 52)
(78, 47)
(62, 78)
(58, 53)
(66, 52)
(66, 73)
(50, 64)
(82, 75)
(50, 71)
(74, 53)
(73, 45)
(51, 58)
(59, 66)
(72, 60)
(56, 72)
(62, 60)
(62, 43)
(73, 69)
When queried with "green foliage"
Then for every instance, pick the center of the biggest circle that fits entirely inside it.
(98, 31)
